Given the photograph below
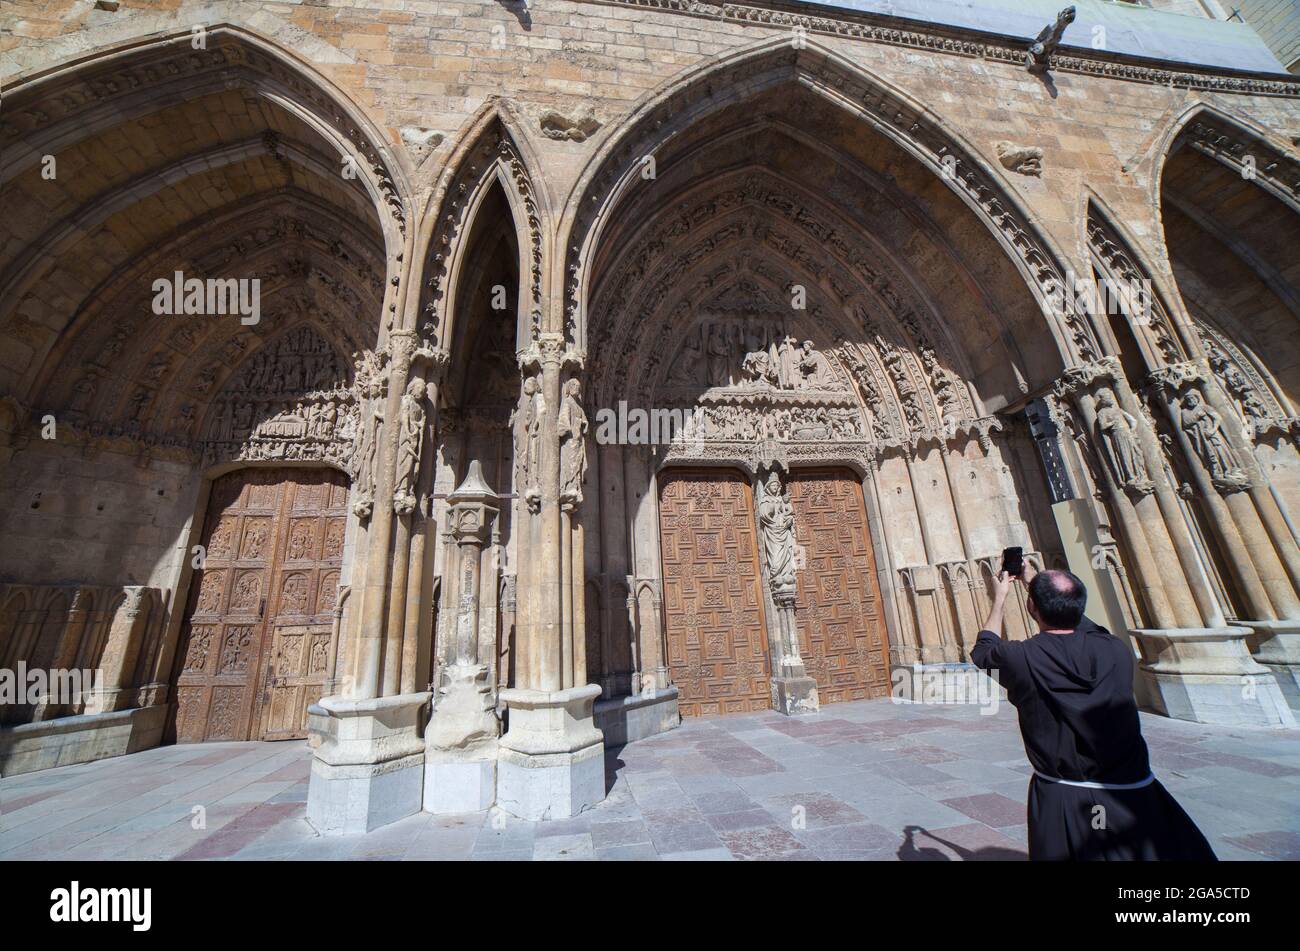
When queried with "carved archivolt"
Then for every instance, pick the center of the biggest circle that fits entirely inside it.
(1146, 311)
(495, 150)
(1262, 414)
(896, 117)
(148, 77)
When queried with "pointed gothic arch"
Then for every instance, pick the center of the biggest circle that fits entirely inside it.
(491, 152)
(612, 172)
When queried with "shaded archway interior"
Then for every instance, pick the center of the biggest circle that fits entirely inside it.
(1232, 249)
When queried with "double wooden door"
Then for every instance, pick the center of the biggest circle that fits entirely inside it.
(256, 644)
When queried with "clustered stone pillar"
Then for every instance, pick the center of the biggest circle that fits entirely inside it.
(368, 768)
(1197, 665)
(551, 758)
(1244, 519)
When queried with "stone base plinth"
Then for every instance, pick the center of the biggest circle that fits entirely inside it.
(1208, 676)
(28, 747)
(793, 695)
(627, 719)
(1276, 645)
(452, 786)
(551, 761)
(369, 768)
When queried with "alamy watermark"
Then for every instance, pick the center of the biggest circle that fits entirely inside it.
(24, 686)
(210, 297)
(946, 686)
(637, 426)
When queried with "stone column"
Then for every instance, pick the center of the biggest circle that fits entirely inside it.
(368, 769)
(461, 738)
(551, 759)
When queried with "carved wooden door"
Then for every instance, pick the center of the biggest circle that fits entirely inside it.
(304, 589)
(838, 615)
(713, 605)
(273, 544)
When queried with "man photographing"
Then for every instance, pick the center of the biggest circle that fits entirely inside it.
(1092, 795)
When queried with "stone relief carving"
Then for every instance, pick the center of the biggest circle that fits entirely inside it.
(291, 401)
(410, 444)
(1259, 410)
(776, 518)
(420, 142)
(750, 353)
(1021, 159)
(560, 127)
(572, 427)
(1118, 443)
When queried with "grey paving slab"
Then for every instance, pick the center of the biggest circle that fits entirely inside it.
(864, 781)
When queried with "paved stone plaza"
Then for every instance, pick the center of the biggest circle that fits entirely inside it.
(714, 789)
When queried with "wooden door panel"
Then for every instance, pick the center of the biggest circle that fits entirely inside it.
(274, 547)
(838, 614)
(716, 633)
(306, 590)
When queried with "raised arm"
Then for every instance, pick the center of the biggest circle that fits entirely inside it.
(988, 649)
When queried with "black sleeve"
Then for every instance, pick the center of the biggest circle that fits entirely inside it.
(992, 652)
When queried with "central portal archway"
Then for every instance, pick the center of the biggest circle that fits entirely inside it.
(796, 281)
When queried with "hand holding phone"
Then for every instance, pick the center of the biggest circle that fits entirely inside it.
(1013, 561)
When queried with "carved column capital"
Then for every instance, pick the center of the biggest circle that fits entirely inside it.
(1083, 377)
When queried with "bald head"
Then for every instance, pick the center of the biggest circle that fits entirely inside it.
(1058, 599)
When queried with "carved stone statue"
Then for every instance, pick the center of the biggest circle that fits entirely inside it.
(410, 443)
(814, 369)
(776, 517)
(571, 427)
(1117, 438)
(528, 446)
(367, 459)
(1204, 428)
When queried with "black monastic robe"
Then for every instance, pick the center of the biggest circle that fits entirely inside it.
(1079, 721)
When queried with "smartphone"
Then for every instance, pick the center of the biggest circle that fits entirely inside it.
(1013, 562)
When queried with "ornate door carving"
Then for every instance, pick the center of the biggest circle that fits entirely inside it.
(838, 615)
(256, 639)
(713, 605)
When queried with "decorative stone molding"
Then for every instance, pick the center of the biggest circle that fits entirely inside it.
(896, 117)
(938, 39)
(1247, 155)
(1147, 313)
(494, 150)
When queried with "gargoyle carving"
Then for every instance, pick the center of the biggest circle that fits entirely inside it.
(1041, 50)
